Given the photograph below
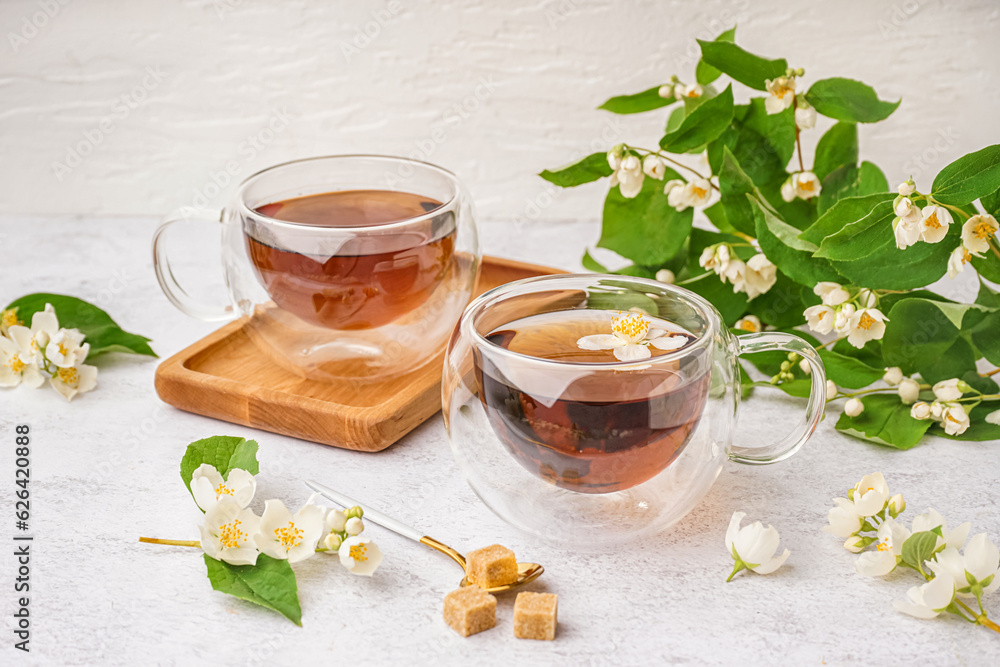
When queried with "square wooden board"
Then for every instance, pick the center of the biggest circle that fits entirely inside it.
(225, 377)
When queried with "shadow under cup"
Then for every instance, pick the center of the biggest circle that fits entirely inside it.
(592, 428)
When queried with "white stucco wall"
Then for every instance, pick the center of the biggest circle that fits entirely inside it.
(162, 95)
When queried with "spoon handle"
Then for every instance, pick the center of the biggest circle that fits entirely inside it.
(370, 514)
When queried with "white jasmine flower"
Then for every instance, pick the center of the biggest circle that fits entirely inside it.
(977, 231)
(8, 318)
(907, 210)
(629, 177)
(891, 536)
(805, 115)
(802, 184)
(959, 257)
(666, 276)
(866, 324)
(683, 195)
(867, 298)
(842, 324)
(920, 410)
(934, 224)
(932, 519)
(735, 272)
(287, 537)
(694, 90)
(820, 318)
(896, 505)
(930, 599)
(843, 520)
(832, 294)
(227, 533)
(360, 555)
(831, 389)
(74, 380)
(853, 407)
(760, 275)
(805, 367)
(893, 376)
(954, 419)
(993, 418)
(907, 188)
(208, 487)
(17, 366)
(32, 341)
(753, 546)
(870, 495)
(666, 92)
(615, 157)
(937, 409)
(630, 338)
(332, 542)
(782, 94)
(654, 167)
(336, 520)
(982, 562)
(909, 390)
(947, 390)
(749, 323)
(715, 258)
(354, 526)
(906, 233)
(66, 348)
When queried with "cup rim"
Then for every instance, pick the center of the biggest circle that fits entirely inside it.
(705, 310)
(249, 180)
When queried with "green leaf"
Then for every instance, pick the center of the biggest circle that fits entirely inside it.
(762, 143)
(590, 168)
(969, 177)
(734, 186)
(782, 305)
(222, 452)
(988, 266)
(920, 331)
(270, 583)
(848, 100)
(748, 69)
(782, 245)
(702, 125)
(836, 148)
(103, 334)
(885, 421)
(851, 181)
(979, 429)
(957, 360)
(986, 337)
(845, 212)
(705, 73)
(716, 214)
(919, 547)
(991, 203)
(647, 100)
(847, 371)
(646, 229)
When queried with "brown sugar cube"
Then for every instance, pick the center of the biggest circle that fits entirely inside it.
(469, 610)
(535, 615)
(492, 566)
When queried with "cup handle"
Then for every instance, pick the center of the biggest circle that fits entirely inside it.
(781, 450)
(165, 275)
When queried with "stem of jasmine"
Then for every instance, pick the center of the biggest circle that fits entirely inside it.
(678, 164)
(798, 142)
(979, 618)
(990, 373)
(171, 543)
(695, 279)
(953, 208)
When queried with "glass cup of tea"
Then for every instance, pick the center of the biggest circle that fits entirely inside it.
(591, 409)
(344, 268)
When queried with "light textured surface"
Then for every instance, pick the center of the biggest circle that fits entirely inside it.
(105, 470)
(496, 91)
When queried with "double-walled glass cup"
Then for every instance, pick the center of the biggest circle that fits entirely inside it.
(588, 454)
(330, 296)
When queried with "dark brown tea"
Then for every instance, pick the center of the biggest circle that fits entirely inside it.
(368, 281)
(592, 431)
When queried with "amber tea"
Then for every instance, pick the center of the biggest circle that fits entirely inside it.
(591, 427)
(365, 283)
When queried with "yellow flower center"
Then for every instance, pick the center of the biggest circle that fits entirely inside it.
(747, 325)
(62, 349)
(68, 375)
(932, 221)
(807, 185)
(698, 192)
(866, 321)
(630, 326)
(983, 230)
(9, 317)
(289, 536)
(951, 419)
(693, 93)
(820, 316)
(222, 490)
(966, 256)
(230, 534)
(884, 545)
(359, 552)
(16, 364)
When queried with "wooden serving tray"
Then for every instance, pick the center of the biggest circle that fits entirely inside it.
(224, 376)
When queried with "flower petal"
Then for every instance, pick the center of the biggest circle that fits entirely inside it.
(734, 528)
(632, 352)
(773, 564)
(669, 342)
(600, 342)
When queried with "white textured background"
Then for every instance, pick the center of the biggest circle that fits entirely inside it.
(495, 91)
